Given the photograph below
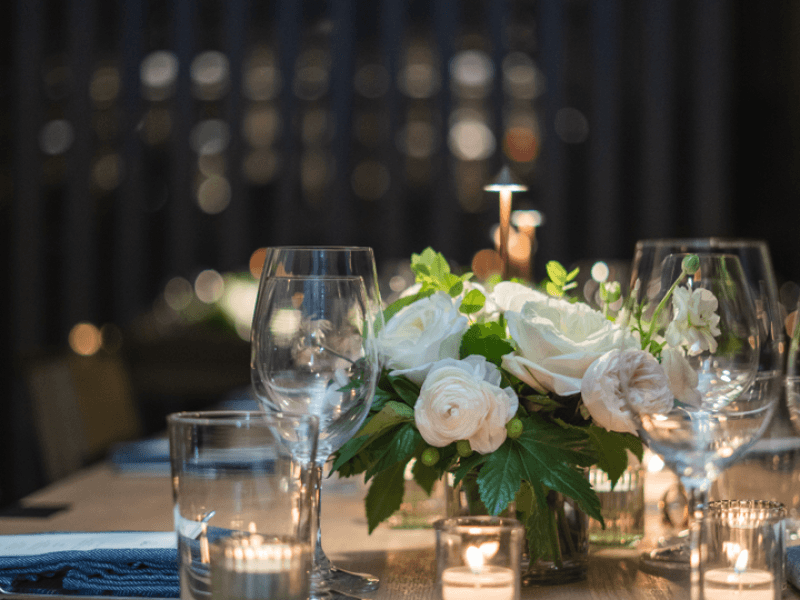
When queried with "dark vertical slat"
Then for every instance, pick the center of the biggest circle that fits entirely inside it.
(498, 11)
(658, 120)
(555, 235)
(18, 442)
(340, 208)
(181, 206)
(289, 19)
(393, 23)
(603, 212)
(445, 210)
(78, 240)
(712, 89)
(235, 243)
(130, 246)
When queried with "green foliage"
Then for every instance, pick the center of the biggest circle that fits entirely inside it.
(611, 448)
(385, 495)
(559, 280)
(432, 271)
(486, 339)
(473, 302)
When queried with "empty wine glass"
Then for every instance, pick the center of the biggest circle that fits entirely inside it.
(692, 352)
(313, 352)
(778, 440)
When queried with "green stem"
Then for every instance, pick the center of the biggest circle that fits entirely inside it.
(660, 307)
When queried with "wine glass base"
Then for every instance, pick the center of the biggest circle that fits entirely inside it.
(348, 582)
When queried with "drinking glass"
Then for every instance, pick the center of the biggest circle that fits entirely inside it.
(237, 475)
(778, 440)
(313, 351)
(694, 317)
(331, 261)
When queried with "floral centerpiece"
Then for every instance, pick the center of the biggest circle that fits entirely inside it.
(516, 388)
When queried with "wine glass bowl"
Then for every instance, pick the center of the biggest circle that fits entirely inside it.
(313, 353)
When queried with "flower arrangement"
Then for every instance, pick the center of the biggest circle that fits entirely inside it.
(516, 387)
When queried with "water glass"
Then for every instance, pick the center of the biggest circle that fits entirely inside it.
(236, 480)
(746, 550)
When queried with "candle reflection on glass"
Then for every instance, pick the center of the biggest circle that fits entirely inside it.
(477, 581)
(739, 582)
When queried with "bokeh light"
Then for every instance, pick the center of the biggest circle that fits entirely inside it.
(417, 139)
(214, 195)
(56, 137)
(85, 339)
(106, 171)
(209, 286)
(485, 263)
(104, 86)
(472, 72)
(571, 125)
(210, 136)
(178, 293)
(210, 73)
(158, 73)
(471, 139)
(257, 259)
(261, 126)
(521, 78)
(260, 166)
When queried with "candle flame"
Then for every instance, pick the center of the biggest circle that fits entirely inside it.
(475, 560)
(741, 562)
(489, 549)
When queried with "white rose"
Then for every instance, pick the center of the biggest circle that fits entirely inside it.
(682, 377)
(508, 295)
(556, 342)
(634, 372)
(461, 400)
(428, 330)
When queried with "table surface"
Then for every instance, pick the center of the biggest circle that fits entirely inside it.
(100, 498)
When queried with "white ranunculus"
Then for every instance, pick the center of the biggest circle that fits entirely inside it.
(682, 377)
(696, 322)
(556, 342)
(509, 295)
(632, 372)
(462, 400)
(428, 330)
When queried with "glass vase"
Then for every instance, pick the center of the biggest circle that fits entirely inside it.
(565, 563)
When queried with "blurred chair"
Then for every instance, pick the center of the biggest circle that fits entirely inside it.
(82, 405)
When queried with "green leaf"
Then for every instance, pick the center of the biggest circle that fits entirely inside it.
(572, 274)
(407, 390)
(393, 413)
(350, 448)
(486, 339)
(456, 289)
(468, 464)
(400, 449)
(553, 289)
(556, 272)
(425, 476)
(401, 303)
(473, 302)
(611, 452)
(385, 495)
(500, 479)
(545, 454)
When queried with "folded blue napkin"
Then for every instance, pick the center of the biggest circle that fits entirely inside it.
(133, 564)
(793, 565)
(142, 456)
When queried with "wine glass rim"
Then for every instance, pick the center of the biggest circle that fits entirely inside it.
(705, 242)
(235, 417)
(323, 248)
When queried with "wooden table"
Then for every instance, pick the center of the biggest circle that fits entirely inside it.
(101, 499)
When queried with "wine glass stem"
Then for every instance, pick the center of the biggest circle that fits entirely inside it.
(698, 502)
(321, 563)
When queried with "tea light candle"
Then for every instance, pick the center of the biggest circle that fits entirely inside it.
(477, 581)
(249, 567)
(739, 582)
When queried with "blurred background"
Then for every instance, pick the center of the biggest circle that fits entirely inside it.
(151, 149)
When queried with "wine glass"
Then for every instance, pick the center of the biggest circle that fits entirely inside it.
(313, 352)
(778, 439)
(330, 261)
(691, 355)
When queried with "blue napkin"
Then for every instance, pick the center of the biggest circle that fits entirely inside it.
(91, 564)
(793, 565)
(142, 456)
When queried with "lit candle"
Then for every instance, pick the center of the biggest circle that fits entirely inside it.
(250, 567)
(739, 582)
(477, 581)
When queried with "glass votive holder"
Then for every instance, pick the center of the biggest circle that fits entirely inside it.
(745, 550)
(478, 558)
(253, 567)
